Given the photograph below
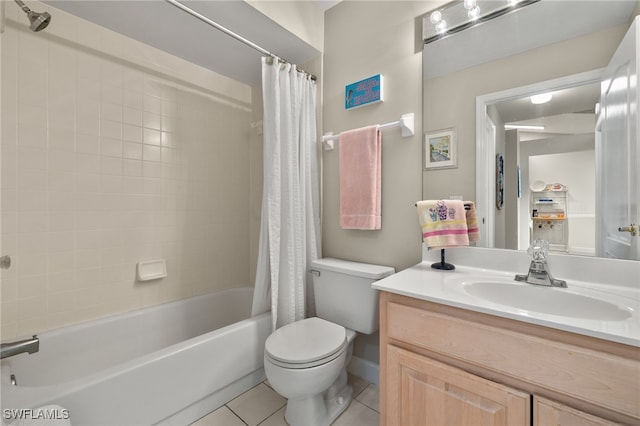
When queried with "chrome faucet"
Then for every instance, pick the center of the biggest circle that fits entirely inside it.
(539, 270)
(14, 348)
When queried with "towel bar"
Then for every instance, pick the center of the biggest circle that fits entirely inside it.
(406, 123)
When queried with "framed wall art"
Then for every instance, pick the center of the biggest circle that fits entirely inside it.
(440, 149)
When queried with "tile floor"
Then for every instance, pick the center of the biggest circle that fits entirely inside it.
(262, 406)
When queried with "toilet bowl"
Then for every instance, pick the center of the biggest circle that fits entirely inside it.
(306, 361)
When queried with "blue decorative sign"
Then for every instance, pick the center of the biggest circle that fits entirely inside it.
(363, 92)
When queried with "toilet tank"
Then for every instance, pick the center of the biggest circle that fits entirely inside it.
(343, 293)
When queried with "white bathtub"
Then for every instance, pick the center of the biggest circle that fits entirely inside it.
(168, 364)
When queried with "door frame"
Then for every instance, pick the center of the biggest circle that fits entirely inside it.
(485, 173)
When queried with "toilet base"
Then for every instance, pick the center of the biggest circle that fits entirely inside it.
(317, 411)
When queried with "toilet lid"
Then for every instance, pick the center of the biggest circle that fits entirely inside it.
(305, 341)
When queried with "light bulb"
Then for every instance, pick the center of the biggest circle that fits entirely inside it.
(469, 4)
(474, 13)
(436, 17)
(441, 26)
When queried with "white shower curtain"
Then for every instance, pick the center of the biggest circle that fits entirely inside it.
(290, 200)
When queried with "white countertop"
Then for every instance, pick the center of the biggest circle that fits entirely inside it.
(448, 288)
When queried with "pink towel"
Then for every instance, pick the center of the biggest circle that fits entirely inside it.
(444, 223)
(360, 154)
(472, 222)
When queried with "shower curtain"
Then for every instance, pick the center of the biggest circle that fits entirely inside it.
(290, 200)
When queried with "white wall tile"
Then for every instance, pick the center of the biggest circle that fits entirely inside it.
(32, 180)
(61, 160)
(151, 137)
(133, 116)
(60, 180)
(133, 168)
(151, 153)
(31, 158)
(112, 94)
(151, 120)
(88, 182)
(95, 156)
(59, 221)
(62, 281)
(132, 133)
(31, 242)
(61, 261)
(111, 111)
(111, 166)
(151, 169)
(88, 258)
(63, 139)
(87, 143)
(110, 129)
(132, 150)
(29, 201)
(87, 163)
(111, 147)
(61, 302)
(61, 202)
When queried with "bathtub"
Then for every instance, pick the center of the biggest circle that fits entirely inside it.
(168, 365)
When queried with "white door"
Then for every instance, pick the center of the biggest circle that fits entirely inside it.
(618, 160)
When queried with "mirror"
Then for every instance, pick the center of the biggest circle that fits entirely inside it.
(489, 72)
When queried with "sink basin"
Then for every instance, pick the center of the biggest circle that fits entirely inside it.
(547, 300)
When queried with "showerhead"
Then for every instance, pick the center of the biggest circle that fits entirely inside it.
(39, 21)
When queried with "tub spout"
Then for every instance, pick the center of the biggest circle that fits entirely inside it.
(14, 348)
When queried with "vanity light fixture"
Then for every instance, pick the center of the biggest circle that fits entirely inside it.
(542, 98)
(461, 14)
(522, 127)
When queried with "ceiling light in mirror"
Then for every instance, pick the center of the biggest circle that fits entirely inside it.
(522, 127)
(461, 14)
(542, 98)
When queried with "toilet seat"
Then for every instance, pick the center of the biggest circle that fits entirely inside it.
(306, 343)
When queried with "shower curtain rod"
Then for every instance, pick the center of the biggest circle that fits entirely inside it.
(233, 35)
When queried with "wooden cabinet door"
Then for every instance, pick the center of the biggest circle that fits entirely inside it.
(424, 392)
(550, 413)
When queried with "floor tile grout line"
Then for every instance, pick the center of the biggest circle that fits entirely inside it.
(370, 408)
(354, 399)
(265, 419)
(236, 414)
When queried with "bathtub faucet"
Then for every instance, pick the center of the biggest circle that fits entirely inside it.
(14, 348)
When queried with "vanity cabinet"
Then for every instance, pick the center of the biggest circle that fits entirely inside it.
(441, 365)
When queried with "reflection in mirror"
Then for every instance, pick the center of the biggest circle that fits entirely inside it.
(495, 68)
(549, 154)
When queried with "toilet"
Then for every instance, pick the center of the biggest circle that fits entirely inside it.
(306, 361)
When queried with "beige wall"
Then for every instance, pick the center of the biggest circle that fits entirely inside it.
(364, 38)
(113, 153)
(301, 18)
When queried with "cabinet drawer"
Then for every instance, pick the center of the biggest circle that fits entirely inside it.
(595, 377)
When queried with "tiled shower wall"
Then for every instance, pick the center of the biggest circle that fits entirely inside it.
(113, 153)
